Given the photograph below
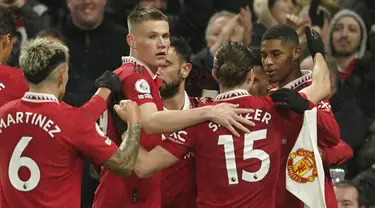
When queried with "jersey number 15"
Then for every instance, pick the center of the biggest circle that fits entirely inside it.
(248, 153)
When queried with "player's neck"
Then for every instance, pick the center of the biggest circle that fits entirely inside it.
(296, 73)
(176, 102)
(224, 90)
(133, 53)
(44, 90)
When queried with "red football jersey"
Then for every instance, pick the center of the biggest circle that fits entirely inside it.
(12, 84)
(237, 171)
(284, 198)
(178, 184)
(141, 86)
(42, 143)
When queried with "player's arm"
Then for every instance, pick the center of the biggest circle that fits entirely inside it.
(107, 83)
(97, 104)
(123, 160)
(321, 86)
(150, 163)
(137, 88)
(336, 155)
(225, 114)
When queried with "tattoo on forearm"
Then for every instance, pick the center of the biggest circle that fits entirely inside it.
(123, 161)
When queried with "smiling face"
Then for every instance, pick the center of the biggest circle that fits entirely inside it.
(86, 13)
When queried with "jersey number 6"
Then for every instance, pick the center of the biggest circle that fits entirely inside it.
(248, 153)
(16, 162)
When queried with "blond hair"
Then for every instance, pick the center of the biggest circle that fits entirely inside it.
(37, 54)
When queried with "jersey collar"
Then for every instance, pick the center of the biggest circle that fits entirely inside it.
(232, 95)
(131, 59)
(187, 104)
(306, 76)
(39, 97)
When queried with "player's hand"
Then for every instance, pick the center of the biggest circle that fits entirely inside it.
(290, 99)
(128, 111)
(317, 19)
(314, 42)
(110, 81)
(227, 115)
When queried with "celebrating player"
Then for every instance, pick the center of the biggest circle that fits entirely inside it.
(148, 39)
(280, 53)
(42, 140)
(12, 84)
(240, 171)
(178, 184)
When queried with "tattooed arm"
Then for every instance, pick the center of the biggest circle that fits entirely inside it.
(123, 161)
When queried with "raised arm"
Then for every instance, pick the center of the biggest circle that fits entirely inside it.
(107, 83)
(320, 88)
(123, 160)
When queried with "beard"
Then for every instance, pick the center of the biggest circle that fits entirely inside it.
(169, 90)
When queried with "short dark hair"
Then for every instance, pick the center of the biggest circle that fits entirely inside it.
(282, 32)
(51, 32)
(349, 184)
(232, 63)
(8, 24)
(145, 13)
(256, 55)
(182, 48)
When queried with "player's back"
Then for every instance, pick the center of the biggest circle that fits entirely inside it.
(12, 84)
(39, 166)
(239, 171)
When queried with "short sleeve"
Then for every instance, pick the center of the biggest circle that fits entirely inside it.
(180, 143)
(90, 140)
(137, 87)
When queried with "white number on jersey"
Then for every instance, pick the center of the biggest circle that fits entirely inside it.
(17, 161)
(248, 152)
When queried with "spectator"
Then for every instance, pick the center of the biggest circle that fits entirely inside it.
(201, 82)
(96, 44)
(269, 13)
(347, 195)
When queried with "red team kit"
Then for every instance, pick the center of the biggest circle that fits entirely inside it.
(216, 169)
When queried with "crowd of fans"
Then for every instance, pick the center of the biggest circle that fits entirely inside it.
(95, 31)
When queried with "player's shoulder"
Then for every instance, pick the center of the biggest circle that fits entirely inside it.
(10, 72)
(131, 67)
(200, 101)
(255, 101)
(9, 107)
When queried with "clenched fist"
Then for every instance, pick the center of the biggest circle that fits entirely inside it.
(128, 111)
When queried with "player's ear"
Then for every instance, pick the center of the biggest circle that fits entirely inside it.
(6, 40)
(250, 77)
(130, 41)
(296, 53)
(214, 74)
(186, 68)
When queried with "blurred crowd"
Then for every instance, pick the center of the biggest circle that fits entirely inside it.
(95, 31)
